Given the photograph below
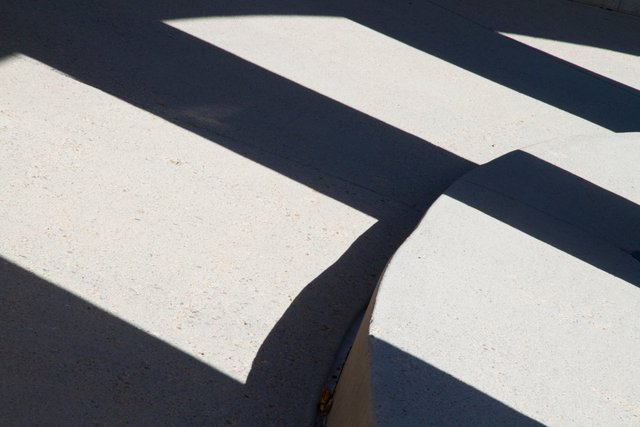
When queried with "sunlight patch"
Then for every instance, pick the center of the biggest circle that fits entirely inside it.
(405, 87)
(188, 241)
(617, 66)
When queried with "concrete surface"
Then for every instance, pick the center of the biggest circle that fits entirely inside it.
(624, 6)
(198, 199)
(514, 302)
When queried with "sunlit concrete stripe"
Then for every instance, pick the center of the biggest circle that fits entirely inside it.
(413, 90)
(515, 301)
(188, 241)
(618, 66)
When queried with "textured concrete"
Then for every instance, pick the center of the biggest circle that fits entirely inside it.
(516, 300)
(198, 199)
(631, 7)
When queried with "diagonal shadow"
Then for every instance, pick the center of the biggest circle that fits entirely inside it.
(559, 208)
(463, 33)
(284, 126)
(541, 200)
(63, 360)
(569, 22)
(243, 107)
(214, 93)
(422, 395)
(124, 50)
(459, 40)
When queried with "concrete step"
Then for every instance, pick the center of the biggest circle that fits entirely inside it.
(515, 301)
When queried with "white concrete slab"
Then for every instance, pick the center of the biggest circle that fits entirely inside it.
(274, 155)
(516, 299)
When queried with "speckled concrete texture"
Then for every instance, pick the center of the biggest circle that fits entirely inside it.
(515, 301)
(198, 199)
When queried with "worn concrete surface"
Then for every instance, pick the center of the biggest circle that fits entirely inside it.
(516, 299)
(198, 199)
